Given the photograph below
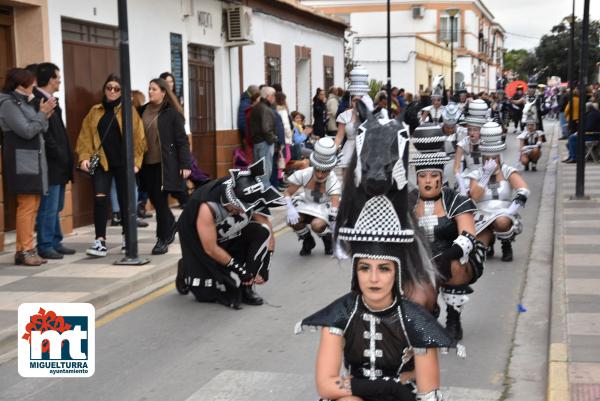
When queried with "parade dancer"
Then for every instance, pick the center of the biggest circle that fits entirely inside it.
(468, 155)
(316, 207)
(454, 133)
(463, 103)
(500, 111)
(491, 187)
(375, 343)
(533, 105)
(530, 145)
(226, 238)
(517, 104)
(433, 113)
(349, 120)
(447, 219)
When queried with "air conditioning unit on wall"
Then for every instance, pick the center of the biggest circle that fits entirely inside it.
(239, 26)
(418, 12)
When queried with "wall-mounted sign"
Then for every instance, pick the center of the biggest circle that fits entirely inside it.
(205, 19)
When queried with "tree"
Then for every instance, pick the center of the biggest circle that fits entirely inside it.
(553, 51)
(552, 54)
(521, 62)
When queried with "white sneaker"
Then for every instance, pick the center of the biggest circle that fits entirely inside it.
(98, 249)
(123, 246)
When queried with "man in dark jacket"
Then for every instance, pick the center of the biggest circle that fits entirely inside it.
(60, 168)
(263, 128)
(244, 104)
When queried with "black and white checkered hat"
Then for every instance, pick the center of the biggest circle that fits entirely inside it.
(429, 140)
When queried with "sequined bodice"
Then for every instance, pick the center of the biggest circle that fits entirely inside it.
(375, 343)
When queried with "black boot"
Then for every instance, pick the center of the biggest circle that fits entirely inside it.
(327, 244)
(181, 283)
(249, 296)
(490, 249)
(308, 243)
(141, 211)
(507, 253)
(533, 166)
(453, 326)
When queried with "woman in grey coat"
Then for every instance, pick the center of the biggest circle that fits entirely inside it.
(23, 155)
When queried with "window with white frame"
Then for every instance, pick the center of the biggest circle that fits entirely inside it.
(445, 33)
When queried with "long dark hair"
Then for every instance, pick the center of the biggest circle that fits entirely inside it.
(166, 75)
(170, 99)
(17, 77)
(316, 97)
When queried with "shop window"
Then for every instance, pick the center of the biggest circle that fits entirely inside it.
(272, 64)
(328, 75)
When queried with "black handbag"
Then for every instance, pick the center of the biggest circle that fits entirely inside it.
(95, 157)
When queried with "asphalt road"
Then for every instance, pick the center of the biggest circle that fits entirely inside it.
(173, 348)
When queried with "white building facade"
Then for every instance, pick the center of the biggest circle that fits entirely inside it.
(213, 55)
(478, 39)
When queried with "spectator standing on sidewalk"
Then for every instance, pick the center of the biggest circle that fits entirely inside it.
(264, 135)
(574, 108)
(333, 103)
(245, 103)
(592, 125)
(319, 113)
(101, 134)
(288, 130)
(24, 156)
(59, 156)
(168, 161)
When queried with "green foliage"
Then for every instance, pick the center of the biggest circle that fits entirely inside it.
(374, 87)
(553, 52)
(521, 62)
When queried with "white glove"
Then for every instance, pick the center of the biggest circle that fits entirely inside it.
(488, 169)
(292, 214)
(461, 184)
(512, 209)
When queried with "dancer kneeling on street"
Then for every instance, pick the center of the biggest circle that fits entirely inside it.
(226, 239)
(447, 220)
(491, 187)
(316, 207)
(530, 142)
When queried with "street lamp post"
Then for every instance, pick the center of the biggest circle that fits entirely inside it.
(131, 240)
(570, 72)
(583, 78)
(452, 12)
(389, 62)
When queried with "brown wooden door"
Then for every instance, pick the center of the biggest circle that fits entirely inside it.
(86, 66)
(7, 61)
(202, 106)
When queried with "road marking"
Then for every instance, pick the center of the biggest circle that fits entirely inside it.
(152, 296)
(134, 305)
(558, 375)
(244, 385)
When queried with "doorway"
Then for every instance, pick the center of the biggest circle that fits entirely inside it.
(7, 60)
(201, 71)
(90, 54)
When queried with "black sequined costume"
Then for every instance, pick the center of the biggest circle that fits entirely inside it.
(379, 344)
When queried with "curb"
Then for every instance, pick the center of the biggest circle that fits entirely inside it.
(527, 367)
(121, 293)
(558, 374)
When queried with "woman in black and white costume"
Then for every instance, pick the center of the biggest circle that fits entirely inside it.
(530, 145)
(468, 155)
(499, 191)
(376, 345)
(316, 207)
(451, 115)
(447, 219)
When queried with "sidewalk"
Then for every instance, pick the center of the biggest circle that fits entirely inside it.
(78, 278)
(574, 369)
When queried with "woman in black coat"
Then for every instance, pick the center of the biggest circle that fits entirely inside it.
(167, 162)
(319, 113)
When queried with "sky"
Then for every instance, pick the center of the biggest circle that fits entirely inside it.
(534, 18)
